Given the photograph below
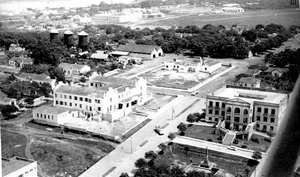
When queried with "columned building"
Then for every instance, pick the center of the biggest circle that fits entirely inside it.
(239, 107)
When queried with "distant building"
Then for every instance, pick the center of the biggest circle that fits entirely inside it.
(19, 167)
(116, 18)
(126, 60)
(100, 55)
(74, 69)
(233, 9)
(19, 62)
(106, 98)
(142, 51)
(240, 107)
(249, 82)
(39, 78)
(16, 48)
(54, 115)
(153, 15)
(276, 72)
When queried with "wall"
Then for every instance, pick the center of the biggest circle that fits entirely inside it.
(25, 171)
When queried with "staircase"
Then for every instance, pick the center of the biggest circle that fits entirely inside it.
(229, 138)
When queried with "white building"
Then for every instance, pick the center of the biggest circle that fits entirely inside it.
(239, 107)
(116, 18)
(248, 82)
(39, 78)
(19, 62)
(232, 8)
(105, 98)
(19, 167)
(142, 51)
(54, 115)
(74, 69)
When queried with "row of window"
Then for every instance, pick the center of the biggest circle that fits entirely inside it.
(237, 119)
(265, 119)
(237, 111)
(217, 104)
(264, 127)
(27, 173)
(44, 116)
(266, 110)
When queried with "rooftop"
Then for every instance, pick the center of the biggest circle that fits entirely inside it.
(249, 95)
(249, 80)
(114, 81)
(271, 69)
(21, 59)
(148, 49)
(68, 32)
(14, 164)
(54, 31)
(82, 33)
(82, 91)
(68, 66)
(35, 77)
(52, 109)
(99, 55)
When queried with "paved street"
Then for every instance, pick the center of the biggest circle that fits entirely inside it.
(123, 157)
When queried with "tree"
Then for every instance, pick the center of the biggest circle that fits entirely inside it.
(141, 163)
(82, 79)
(176, 172)
(162, 147)
(124, 175)
(195, 174)
(150, 155)
(171, 136)
(182, 128)
(145, 5)
(46, 89)
(191, 118)
(257, 155)
(6, 110)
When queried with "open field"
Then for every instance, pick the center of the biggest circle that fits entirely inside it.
(285, 17)
(229, 163)
(13, 144)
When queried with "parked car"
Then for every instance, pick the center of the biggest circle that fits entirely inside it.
(195, 92)
(158, 130)
(233, 148)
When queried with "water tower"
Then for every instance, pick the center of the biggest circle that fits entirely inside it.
(54, 34)
(68, 38)
(83, 40)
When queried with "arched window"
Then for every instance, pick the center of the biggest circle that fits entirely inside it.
(237, 110)
(228, 109)
(245, 111)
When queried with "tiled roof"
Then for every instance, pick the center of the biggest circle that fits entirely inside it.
(35, 77)
(68, 32)
(21, 60)
(147, 49)
(82, 33)
(13, 164)
(53, 109)
(115, 82)
(68, 66)
(249, 80)
(83, 91)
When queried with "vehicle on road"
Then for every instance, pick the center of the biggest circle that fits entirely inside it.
(158, 130)
(194, 93)
(233, 148)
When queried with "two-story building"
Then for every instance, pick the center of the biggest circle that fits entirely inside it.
(249, 82)
(39, 78)
(239, 107)
(105, 98)
(74, 69)
(19, 62)
(276, 72)
(19, 167)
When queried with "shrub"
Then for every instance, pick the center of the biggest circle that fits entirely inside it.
(210, 140)
(191, 118)
(256, 140)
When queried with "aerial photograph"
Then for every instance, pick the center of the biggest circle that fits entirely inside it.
(150, 88)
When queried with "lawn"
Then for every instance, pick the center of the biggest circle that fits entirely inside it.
(285, 17)
(229, 163)
(57, 158)
(262, 146)
(13, 144)
(202, 133)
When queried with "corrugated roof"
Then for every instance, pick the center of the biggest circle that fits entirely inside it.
(54, 31)
(99, 55)
(82, 33)
(68, 32)
(115, 82)
(68, 66)
(35, 77)
(147, 49)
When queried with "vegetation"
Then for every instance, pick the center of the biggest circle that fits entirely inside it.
(182, 128)
(256, 155)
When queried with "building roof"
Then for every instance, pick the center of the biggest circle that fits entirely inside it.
(10, 70)
(147, 49)
(2, 95)
(114, 82)
(68, 32)
(14, 164)
(82, 91)
(55, 31)
(249, 95)
(99, 55)
(68, 66)
(271, 69)
(22, 60)
(53, 109)
(82, 33)
(119, 53)
(35, 77)
(249, 80)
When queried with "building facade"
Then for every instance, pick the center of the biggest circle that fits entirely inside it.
(74, 69)
(240, 107)
(142, 51)
(19, 167)
(248, 82)
(104, 98)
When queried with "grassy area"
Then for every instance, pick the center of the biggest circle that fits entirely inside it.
(202, 132)
(13, 144)
(174, 83)
(285, 17)
(262, 145)
(229, 163)
(56, 158)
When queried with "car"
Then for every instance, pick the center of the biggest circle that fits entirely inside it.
(194, 93)
(158, 130)
(233, 148)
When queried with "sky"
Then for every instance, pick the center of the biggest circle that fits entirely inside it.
(20, 5)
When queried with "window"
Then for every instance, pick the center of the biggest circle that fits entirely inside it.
(99, 108)
(65, 103)
(75, 97)
(37, 114)
(259, 109)
(45, 116)
(216, 112)
(61, 103)
(245, 111)
(71, 104)
(210, 103)
(48, 116)
(217, 104)
(210, 111)
(273, 111)
(110, 99)
(271, 128)
(237, 110)
(266, 110)
(56, 102)
(272, 120)
(80, 105)
(223, 113)
(127, 105)
(258, 118)
(228, 118)
(110, 107)
(209, 118)
(55, 95)
(265, 119)
(223, 105)
(257, 125)
(293, 2)
(70, 97)
(236, 119)
(65, 96)
(245, 120)
(52, 117)
(80, 99)
(228, 109)
(90, 100)
(92, 84)
(85, 99)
